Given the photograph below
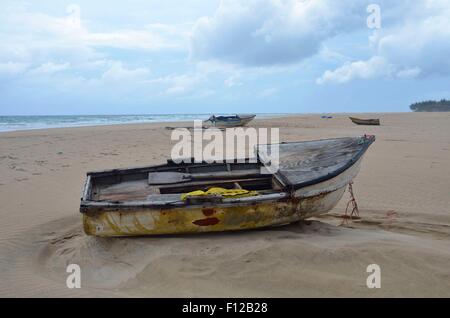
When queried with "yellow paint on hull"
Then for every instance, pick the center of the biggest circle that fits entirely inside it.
(206, 219)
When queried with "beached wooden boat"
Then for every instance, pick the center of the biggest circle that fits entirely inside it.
(228, 121)
(311, 179)
(359, 121)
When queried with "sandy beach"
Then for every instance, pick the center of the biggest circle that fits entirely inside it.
(402, 191)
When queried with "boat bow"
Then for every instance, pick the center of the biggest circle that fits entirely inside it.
(306, 163)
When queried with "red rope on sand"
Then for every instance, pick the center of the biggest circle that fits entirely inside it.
(355, 211)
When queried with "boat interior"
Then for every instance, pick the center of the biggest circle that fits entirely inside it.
(171, 180)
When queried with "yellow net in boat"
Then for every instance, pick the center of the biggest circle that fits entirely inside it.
(226, 193)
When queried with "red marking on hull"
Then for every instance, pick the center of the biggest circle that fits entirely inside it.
(206, 222)
(208, 212)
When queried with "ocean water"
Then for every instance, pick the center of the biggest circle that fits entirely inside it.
(12, 123)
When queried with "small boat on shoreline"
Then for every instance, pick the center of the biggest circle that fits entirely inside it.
(176, 198)
(229, 121)
(359, 121)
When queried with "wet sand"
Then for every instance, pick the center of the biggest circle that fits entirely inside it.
(402, 191)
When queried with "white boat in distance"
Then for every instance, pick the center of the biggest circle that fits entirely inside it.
(229, 121)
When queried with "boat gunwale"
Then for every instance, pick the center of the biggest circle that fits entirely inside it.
(104, 206)
(170, 164)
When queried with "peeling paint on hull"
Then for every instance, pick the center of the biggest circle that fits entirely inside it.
(218, 218)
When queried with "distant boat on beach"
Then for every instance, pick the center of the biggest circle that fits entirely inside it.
(359, 121)
(176, 198)
(229, 121)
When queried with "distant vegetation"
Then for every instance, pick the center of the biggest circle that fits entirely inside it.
(431, 106)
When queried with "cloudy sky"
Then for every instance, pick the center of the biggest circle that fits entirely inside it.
(202, 56)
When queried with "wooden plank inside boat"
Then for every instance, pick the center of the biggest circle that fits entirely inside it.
(170, 177)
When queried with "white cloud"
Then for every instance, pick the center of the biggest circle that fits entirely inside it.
(327, 54)
(32, 42)
(372, 68)
(259, 33)
(36, 37)
(409, 72)
(178, 84)
(232, 81)
(11, 68)
(152, 37)
(268, 92)
(417, 45)
(414, 40)
(49, 68)
(118, 72)
(422, 42)
(257, 42)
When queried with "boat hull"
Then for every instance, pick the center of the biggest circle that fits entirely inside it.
(304, 203)
(242, 121)
(148, 221)
(370, 122)
(170, 215)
